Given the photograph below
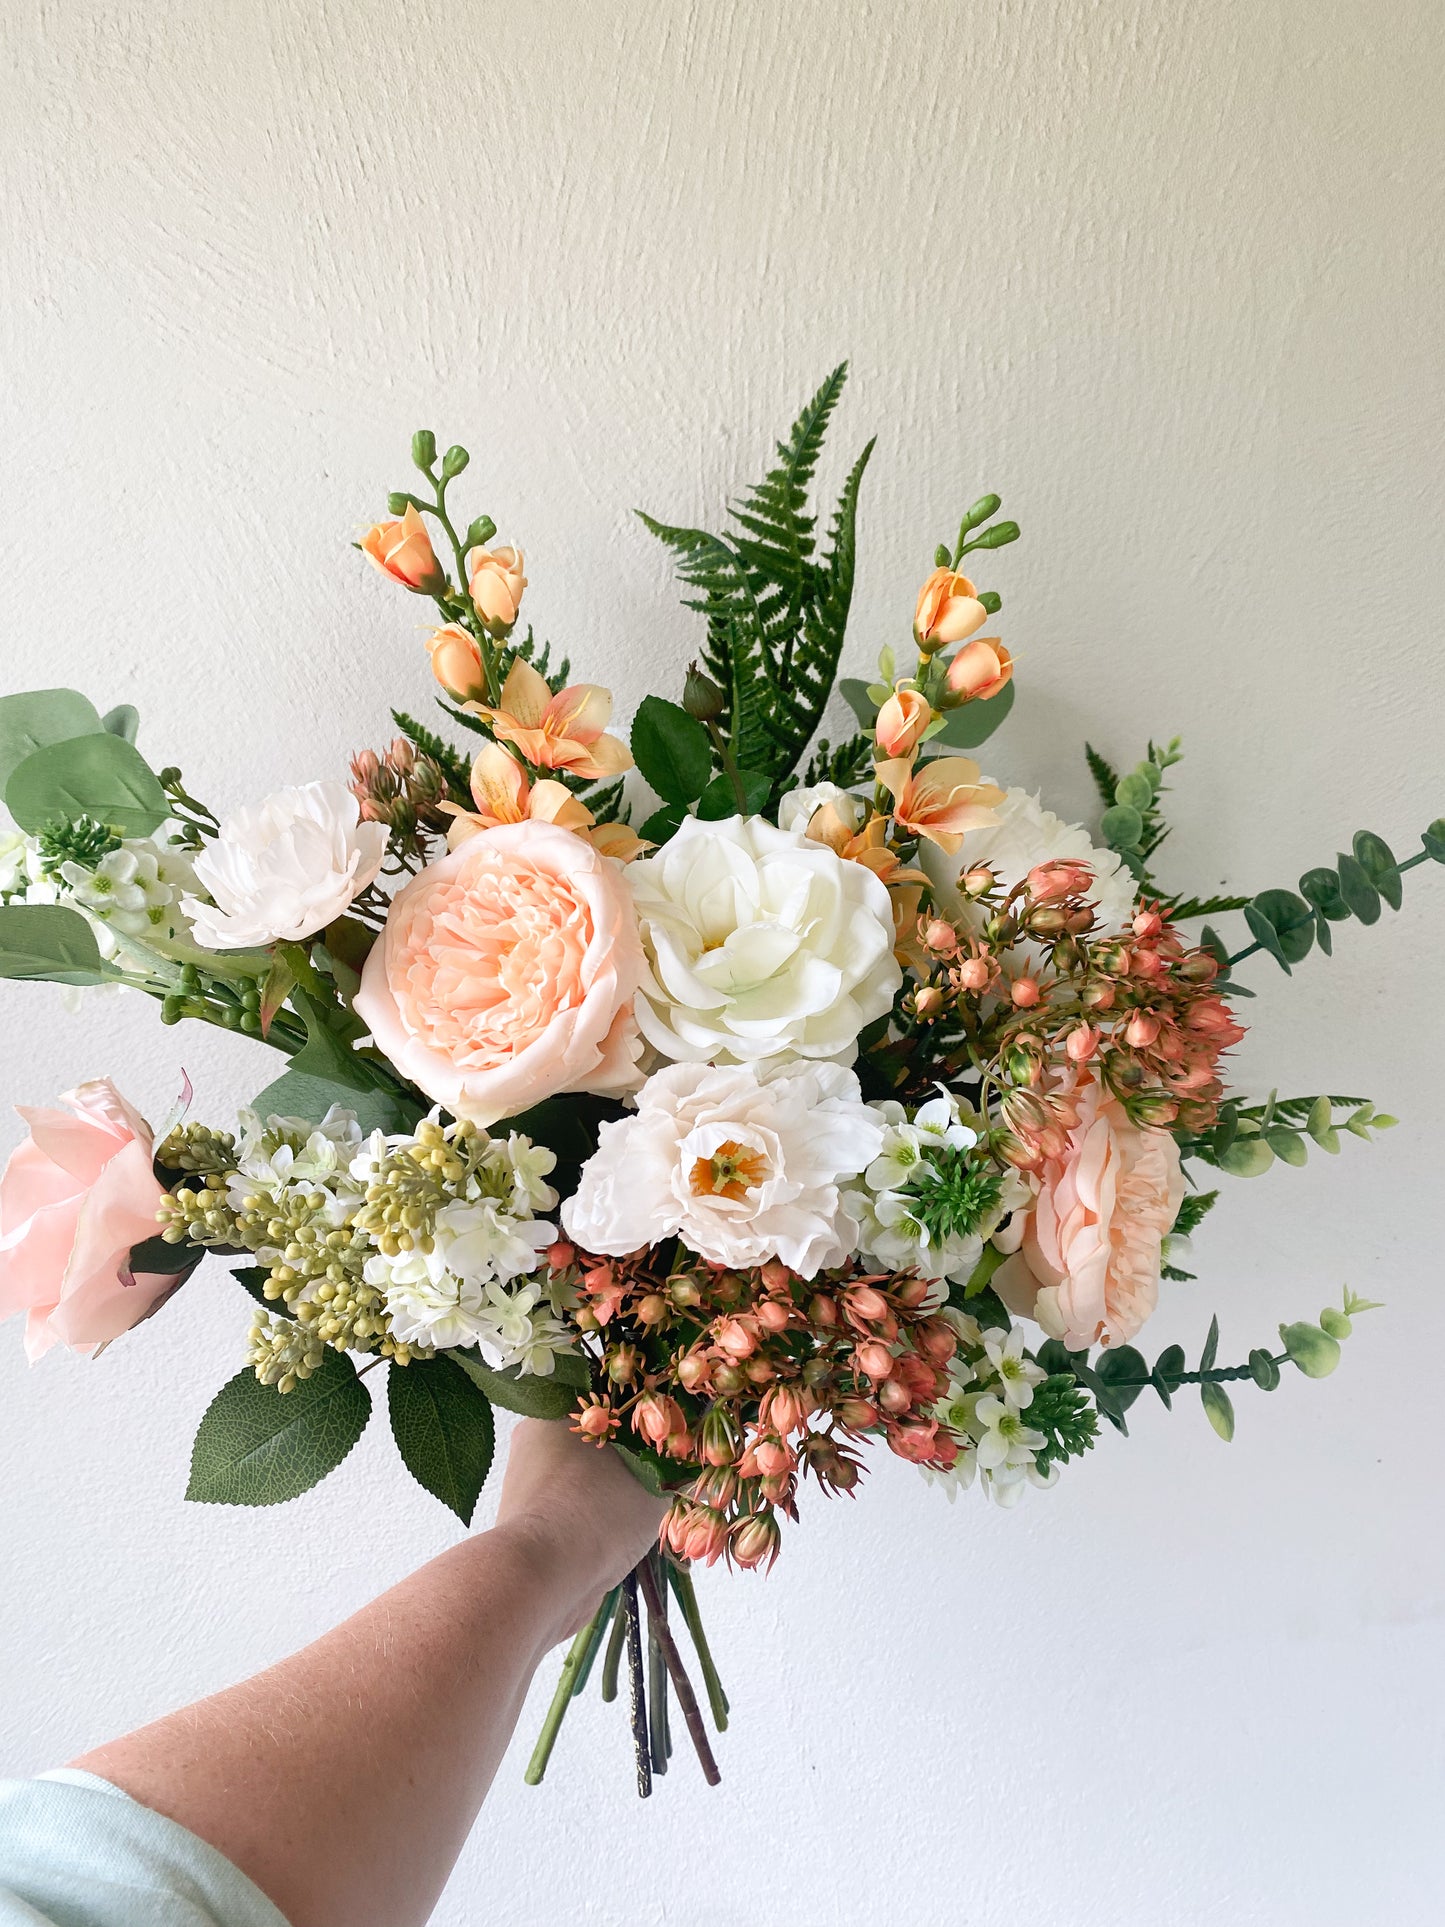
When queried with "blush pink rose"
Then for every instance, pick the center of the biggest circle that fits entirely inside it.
(507, 972)
(75, 1196)
(1087, 1256)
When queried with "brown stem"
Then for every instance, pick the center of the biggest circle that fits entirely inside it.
(639, 1696)
(682, 1685)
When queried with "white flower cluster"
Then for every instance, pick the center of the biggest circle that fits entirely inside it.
(465, 1281)
(902, 1205)
(130, 894)
(991, 1386)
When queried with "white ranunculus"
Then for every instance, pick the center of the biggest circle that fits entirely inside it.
(1025, 834)
(760, 946)
(741, 1166)
(283, 869)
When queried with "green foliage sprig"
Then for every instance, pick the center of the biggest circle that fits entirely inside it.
(1247, 1138)
(1133, 824)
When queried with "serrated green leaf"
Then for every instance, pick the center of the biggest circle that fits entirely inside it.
(531, 1396)
(100, 775)
(48, 943)
(1246, 1157)
(671, 749)
(720, 799)
(252, 1279)
(974, 723)
(664, 823)
(258, 1446)
(644, 1467)
(36, 717)
(442, 1423)
(1360, 896)
(1219, 1410)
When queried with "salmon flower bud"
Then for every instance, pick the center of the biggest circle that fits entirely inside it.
(1154, 1108)
(873, 1359)
(865, 1305)
(718, 1439)
(974, 973)
(936, 1340)
(736, 1337)
(772, 1315)
(1146, 963)
(684, 1291)
(1047, 882)
(1049, 921)
(718, 1486)
(595, 1420)
(911, 1292)
(1141, 1030)
(978, 881)
(894, 1397)
(403, 551)
(822, 1311)
(928, 1001)
(1097, 996)
(1081, 1043)
(693, 1371)
(754, 1541)
(1199, 968)
(901, 722)
(559, 1255)
(598, 1279)
(979, 671)
(940, 937)
(775, 1275)
(1148, 923)
(623, 1362)
(495, 583)
(1082, 920)
(653, 1309)
(785, 1408)
(918, 1441)
(658, 1418)
(728, 1380)
(456, 662)
(948, 609)
(1024, 992)
(857, 1413)
(758, 1371)
(773, 1458)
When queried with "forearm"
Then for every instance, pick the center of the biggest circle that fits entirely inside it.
(344, 1780)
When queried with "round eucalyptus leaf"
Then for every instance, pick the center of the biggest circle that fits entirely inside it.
(1123, 827)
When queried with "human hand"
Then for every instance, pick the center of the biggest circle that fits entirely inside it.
(579, 1511)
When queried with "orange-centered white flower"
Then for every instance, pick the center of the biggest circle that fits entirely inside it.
(565, 731)
(940, 800)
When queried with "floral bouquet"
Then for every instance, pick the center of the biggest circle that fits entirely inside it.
(845, 1099)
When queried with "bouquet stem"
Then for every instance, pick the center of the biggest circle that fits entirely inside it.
(646, 1577)
(717, 1699)
(561, 1699)
(639, 1691)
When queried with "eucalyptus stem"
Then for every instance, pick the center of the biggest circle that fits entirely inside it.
(561, 1700)
(717, 1699)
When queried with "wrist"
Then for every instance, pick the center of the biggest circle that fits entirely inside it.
(557, 1583)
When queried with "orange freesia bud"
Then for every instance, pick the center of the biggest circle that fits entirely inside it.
(456, 662)
(929, 1001)
(495, 583)
(980, 670)
(403, 551)
(948, 610)
(901, 722)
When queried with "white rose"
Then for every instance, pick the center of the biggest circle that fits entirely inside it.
(742, 1167)
(283, 869)
(795, 812)
(759, 945)
(1025, 834)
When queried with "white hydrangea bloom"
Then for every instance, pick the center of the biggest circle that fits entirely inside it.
(1023, 834)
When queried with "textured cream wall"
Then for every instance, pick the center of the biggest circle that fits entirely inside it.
(1169, 278)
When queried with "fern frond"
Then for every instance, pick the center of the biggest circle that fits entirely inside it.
(453, 765)
(1106, 777)
(1206, 906)
(845, 765)
(605, 802)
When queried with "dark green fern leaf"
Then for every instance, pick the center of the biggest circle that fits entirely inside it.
(845, 765)
(1106, 777)
(605, 802)
(1206, 906)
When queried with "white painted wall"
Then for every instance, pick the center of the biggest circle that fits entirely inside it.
(1167, 277)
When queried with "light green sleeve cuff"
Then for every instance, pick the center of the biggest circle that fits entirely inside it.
(77, 1852)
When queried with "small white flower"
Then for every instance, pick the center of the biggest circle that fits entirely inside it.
(436, 1311)
(479, 1240)
(530, 1165)
(1003, 1438)
(282, 869)
(277, 1151)
(1017, 1375)
(15, 852)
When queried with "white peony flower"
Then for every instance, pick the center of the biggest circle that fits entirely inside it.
(1024, 834)
(760, 946)
(284, 868)
(742, 1166)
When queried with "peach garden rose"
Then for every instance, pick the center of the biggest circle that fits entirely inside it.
(507, 972)
(75, 1197)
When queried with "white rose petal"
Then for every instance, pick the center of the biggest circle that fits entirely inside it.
(1024, 834)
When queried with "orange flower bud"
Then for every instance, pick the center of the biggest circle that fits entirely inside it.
(403, 551)
(495, 583)
(947, 611)
(456, 662)
(979, 670)
(901, 722)
(1025, 992)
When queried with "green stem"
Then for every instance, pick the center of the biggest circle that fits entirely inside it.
(599, 1627)
(612, 1664)
(561, 1700)
(717, 1699)
(1240, 955)
(730, 769)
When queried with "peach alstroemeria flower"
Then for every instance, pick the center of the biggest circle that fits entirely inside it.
(901, 722)
(403, 551)
(503, 794)
(564, 731)
(948, 610)
(941, 800)
(869, 846)
(980, 670)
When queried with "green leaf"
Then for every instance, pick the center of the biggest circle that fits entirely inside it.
(1321, 888)
(1167, 1367)
(298, 1094)
(1292, 920)
(1360, 896)
(720, 799)
(47, 943)
(37, 717)
(1433, 838)
(1106, 777)
(101, 776)
(1246, 1157)
(644, 1466)
(974, 723)
(990, 1258)
(326, 1056)
(854, 692)
(1124, 1371)
(155, 1255)
(1287, 1145)
(252, 1278)
(1211, 1347)
(1122, 827)
(1377, 860)
(258, 1446)
(122, 721)
(1313, 1350)
(442, 1424)
(533, 1397)
(1193, 1210)
(1135, 791)
(1320, 1120)
(663, 824)
(672, 750)
(1263, 1370)
(1219, 1410)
